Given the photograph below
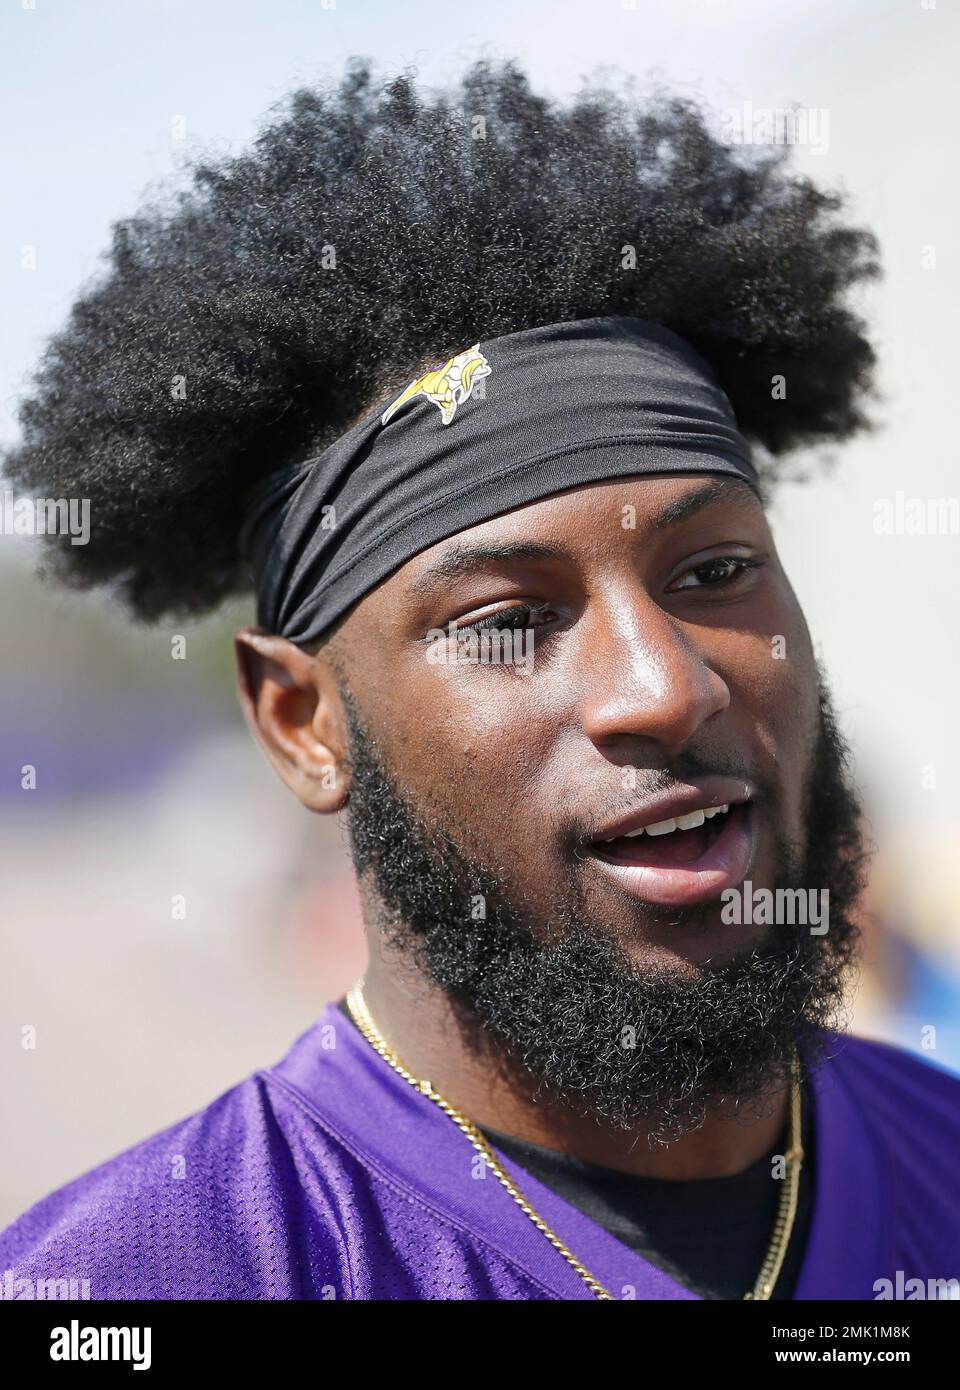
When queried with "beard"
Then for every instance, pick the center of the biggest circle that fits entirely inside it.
(628, 1043)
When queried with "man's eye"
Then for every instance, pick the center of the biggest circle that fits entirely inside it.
(712, 573)
(508, 619)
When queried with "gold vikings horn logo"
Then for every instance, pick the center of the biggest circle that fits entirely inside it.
(447, 386)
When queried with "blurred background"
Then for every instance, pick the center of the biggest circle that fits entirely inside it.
(148, 787)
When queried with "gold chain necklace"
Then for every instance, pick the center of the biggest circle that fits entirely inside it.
(786, 1213)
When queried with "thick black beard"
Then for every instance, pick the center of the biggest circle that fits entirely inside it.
(628, 1044)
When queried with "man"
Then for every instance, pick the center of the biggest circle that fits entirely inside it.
(482, 390)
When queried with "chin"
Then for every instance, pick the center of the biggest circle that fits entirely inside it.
(690, 940)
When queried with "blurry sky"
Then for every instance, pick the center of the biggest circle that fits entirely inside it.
(141, 1021)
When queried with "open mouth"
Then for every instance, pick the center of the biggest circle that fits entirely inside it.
(688, 859)
(680, 840)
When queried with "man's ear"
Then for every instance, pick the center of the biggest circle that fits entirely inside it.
(293, 708)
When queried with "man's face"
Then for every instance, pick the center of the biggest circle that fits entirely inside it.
(672, 673)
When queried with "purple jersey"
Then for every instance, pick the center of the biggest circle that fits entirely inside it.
(329, 1176)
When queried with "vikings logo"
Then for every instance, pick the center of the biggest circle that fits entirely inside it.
(447, 386)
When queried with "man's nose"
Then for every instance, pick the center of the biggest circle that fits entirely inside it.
(648, 680)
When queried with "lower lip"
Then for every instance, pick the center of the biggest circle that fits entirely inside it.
(723, 865)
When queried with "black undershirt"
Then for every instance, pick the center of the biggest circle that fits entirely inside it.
(710, 1234)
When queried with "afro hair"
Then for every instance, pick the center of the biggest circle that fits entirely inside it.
(246, 320)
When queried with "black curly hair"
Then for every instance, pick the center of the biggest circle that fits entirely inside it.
(246, 321)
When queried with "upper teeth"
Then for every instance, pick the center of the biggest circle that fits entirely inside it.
(664, 827)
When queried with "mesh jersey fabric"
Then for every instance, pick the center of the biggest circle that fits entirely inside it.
(327, 1176)
(710, 1234)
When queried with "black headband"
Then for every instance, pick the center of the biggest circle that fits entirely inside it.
(505, 422)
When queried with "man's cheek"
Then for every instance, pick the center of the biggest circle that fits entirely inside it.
(776, 663)
(791, 729)
(458, 772)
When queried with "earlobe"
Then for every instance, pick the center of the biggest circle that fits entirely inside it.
(292, 707)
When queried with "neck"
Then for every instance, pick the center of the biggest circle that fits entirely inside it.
(419, 1024)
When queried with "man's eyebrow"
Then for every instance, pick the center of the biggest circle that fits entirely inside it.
(685, 507)
(461, 558)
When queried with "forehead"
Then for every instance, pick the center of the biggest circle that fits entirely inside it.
(587, 517)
